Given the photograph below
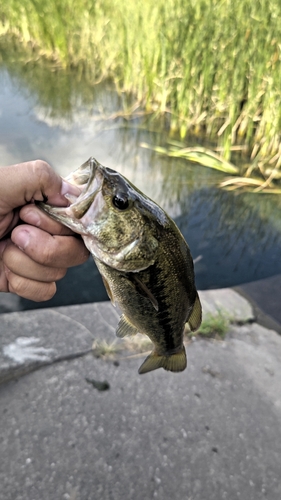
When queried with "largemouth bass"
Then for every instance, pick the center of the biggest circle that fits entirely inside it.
(145, 263)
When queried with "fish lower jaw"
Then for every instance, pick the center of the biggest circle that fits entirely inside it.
(63, 215)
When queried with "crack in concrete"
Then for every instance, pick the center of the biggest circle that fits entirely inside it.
(17, 372)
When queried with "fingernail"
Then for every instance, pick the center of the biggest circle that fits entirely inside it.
(21, 239)
(62, 199)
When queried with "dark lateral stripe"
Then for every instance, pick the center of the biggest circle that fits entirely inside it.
(165, 314)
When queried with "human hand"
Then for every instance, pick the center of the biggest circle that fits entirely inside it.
(34, 255)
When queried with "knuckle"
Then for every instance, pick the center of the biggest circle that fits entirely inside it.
(18, 285)
(43, 174)
(41, 169)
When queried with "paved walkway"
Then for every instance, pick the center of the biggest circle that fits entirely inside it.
(75, 426)
(265, 295)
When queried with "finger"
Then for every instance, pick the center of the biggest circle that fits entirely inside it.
(23, 266)
(34, 180)
(31, 214)
(30, 289)
(48, 250)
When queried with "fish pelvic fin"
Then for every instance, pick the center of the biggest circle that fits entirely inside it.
(125, 328)
(173, 363)
(195, 318)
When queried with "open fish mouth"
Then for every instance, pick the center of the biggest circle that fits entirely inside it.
(84, 174)
(88, 177)
(81, 206)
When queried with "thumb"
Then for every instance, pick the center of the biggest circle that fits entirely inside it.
(34, 180)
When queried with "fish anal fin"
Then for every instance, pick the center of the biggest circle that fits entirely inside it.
(175, 362)
(195, 318)
(125, 328)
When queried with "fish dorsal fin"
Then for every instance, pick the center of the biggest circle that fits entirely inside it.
(108, 290)
(195, 318)
(143, 290)
(125, 328)
(174, 362)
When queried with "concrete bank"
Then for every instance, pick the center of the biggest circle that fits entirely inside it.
(78, 427)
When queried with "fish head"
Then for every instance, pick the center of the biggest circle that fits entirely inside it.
(120, 226)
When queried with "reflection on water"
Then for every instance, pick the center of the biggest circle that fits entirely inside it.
(236, 244)
(235, 238)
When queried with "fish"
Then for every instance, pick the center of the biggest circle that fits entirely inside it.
(143, 258)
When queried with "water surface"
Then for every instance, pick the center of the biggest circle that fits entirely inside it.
(234, 238)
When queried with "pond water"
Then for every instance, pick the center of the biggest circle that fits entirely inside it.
(234, 237)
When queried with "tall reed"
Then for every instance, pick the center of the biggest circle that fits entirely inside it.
(212, 65)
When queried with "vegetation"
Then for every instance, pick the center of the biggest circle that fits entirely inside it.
(212, 67)
(138, 343)
(213, 326)
(104, 349)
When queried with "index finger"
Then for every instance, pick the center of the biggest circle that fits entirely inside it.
(49, 250)
(32, 215)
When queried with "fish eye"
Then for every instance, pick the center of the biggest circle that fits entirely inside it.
(120, 201)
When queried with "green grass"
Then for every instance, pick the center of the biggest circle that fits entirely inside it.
(213, 326)
(138, 343)
(104, 349)
(213, 66)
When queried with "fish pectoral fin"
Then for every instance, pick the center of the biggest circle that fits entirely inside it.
(125, 328)
(143, 290)
(173, 363)
(108, 290)
(195, 318)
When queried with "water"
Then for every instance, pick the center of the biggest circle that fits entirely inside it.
(234, 238)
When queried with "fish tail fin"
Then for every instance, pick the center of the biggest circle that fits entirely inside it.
(174, 362)
(195, 318)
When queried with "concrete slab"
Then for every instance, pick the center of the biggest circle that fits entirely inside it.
(212, 432)
(265, 297)
(227, 302)
(31, 339)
